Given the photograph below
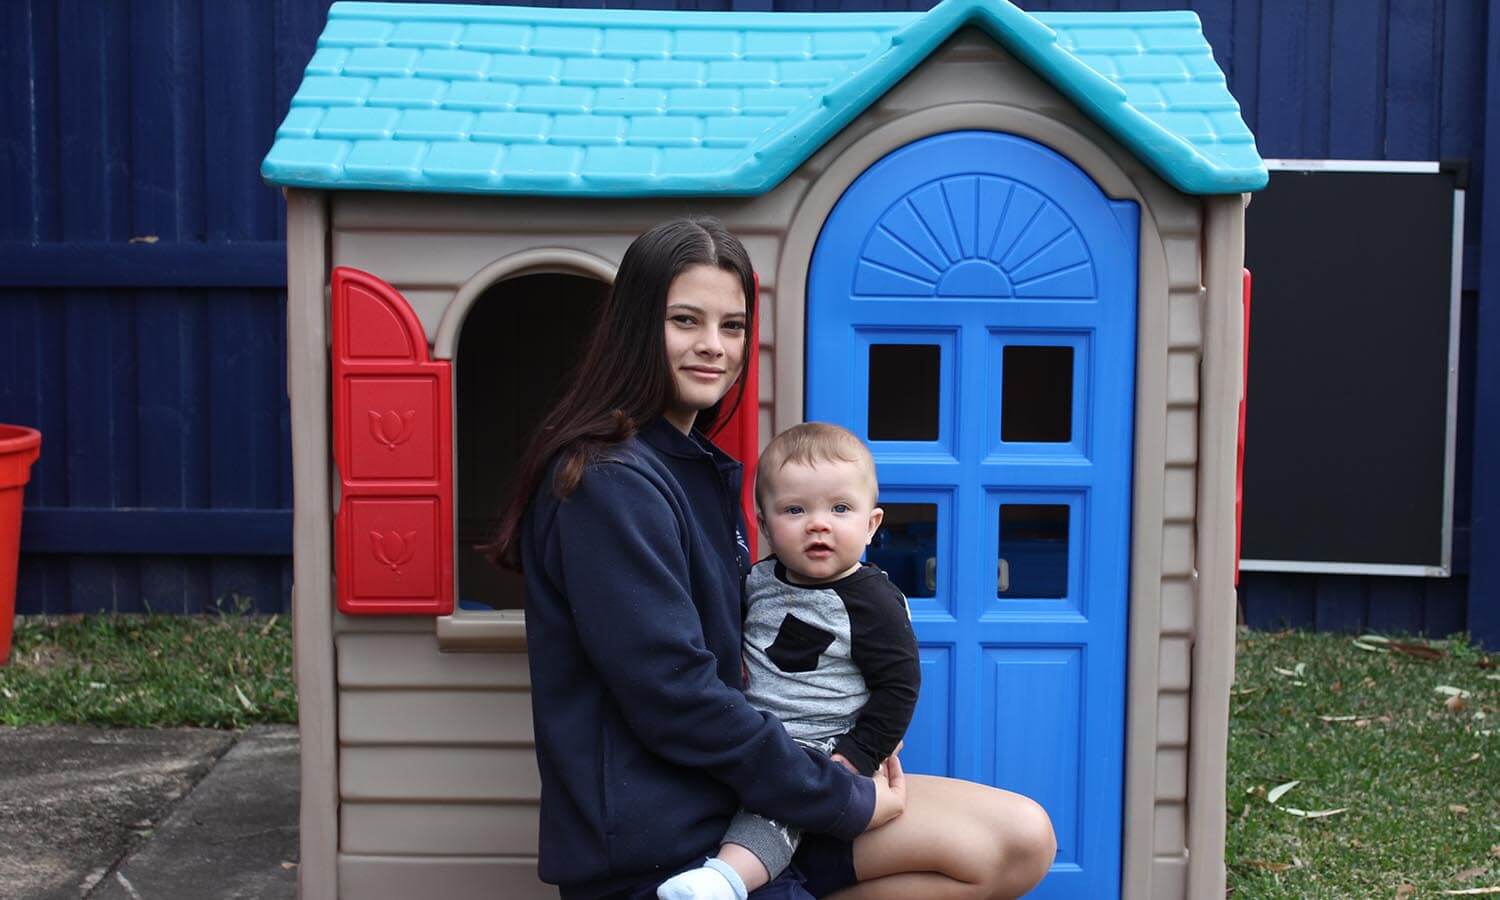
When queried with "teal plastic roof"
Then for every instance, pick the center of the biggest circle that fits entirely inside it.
(519, 100)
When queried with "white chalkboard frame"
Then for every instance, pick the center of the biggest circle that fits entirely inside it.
(1445, 569)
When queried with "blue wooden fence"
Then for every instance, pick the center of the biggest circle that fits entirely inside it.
(141, 284)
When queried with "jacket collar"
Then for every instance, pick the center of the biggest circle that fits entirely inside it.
(665, 438)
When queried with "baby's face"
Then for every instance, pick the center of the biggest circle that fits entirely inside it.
(819, 518)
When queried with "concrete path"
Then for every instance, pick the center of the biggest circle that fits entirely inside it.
(148, 815)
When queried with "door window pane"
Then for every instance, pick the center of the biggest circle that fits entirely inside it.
(1033, 550)
(904, 383)
(906, 547)
(1036, 403)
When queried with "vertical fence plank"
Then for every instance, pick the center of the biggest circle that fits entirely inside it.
(1391, 608)
(1357, 56)
(1217, 17)
(1339, 602)
(1443, 612)
(1411, 90)
(1274, 600)
(1284, 77)
(1245, 74)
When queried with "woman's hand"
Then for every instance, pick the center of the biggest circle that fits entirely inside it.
(890, 793)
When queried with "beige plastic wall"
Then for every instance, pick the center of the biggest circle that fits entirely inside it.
(436, 785)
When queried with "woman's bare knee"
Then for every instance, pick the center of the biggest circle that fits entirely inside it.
(1027, 848)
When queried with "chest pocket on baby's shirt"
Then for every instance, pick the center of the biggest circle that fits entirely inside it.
(798, 645)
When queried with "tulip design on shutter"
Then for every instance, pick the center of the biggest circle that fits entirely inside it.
(393, 548)
(392, 428)
(393, 439)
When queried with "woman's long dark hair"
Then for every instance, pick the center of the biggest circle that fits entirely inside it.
(623, 380)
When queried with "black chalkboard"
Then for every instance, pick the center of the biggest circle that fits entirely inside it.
(1348, 433)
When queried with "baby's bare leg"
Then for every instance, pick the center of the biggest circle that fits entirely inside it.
(745, 864)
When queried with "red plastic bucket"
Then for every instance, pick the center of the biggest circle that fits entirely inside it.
(19, 448)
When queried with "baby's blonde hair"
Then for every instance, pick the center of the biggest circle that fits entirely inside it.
(809, 444)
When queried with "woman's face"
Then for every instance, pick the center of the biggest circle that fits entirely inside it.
(706, 327)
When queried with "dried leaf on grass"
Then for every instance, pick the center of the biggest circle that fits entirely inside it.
(1405, 890)
(244, 701)
(1472, 891)
(1313, 814)
(1280, 790)
(1449, 690)
(1294, 674)
(1268, 866)
(1420, 651)
(1471, 874)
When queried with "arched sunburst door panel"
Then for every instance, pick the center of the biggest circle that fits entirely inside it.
(981, 236)
(971, 314)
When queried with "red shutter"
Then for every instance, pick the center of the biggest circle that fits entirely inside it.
(740, 436)
(1239, 466)
(393, 444)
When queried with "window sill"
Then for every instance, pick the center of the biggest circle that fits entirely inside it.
(503, 631)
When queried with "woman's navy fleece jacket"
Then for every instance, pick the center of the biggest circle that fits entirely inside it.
(645, 744)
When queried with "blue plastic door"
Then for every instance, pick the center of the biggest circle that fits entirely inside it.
(971, 314)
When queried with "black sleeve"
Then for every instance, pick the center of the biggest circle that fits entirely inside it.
(884, 647)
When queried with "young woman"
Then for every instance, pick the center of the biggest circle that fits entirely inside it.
(625, 520)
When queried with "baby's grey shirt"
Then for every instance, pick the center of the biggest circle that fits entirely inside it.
(836, 660)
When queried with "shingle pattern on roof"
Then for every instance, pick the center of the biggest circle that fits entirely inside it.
(454, 98)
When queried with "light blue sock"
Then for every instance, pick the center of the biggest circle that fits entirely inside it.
(714, 880)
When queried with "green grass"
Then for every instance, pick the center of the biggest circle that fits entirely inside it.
(1419, 781)
(226, 670)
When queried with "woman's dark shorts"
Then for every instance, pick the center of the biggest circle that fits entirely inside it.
(825, 863)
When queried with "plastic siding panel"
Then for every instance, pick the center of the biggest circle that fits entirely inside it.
(1182, 378)
(1177, 599)
(440, 774)
(1171, 827)
(1182, 436)
(1175, 673)
(1171, 774)
(1172, 720)
(1177, 550)
(1185, 325)
(1180, 494)
(442, 830)
(1169, 876)
(374, 877)
(407, 717)
(411, 660)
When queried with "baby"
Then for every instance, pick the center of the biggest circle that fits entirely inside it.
(829, 647)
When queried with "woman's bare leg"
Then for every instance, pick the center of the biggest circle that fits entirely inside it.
(955, 840)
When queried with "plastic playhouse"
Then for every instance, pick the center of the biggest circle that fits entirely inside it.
(1004, 248)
